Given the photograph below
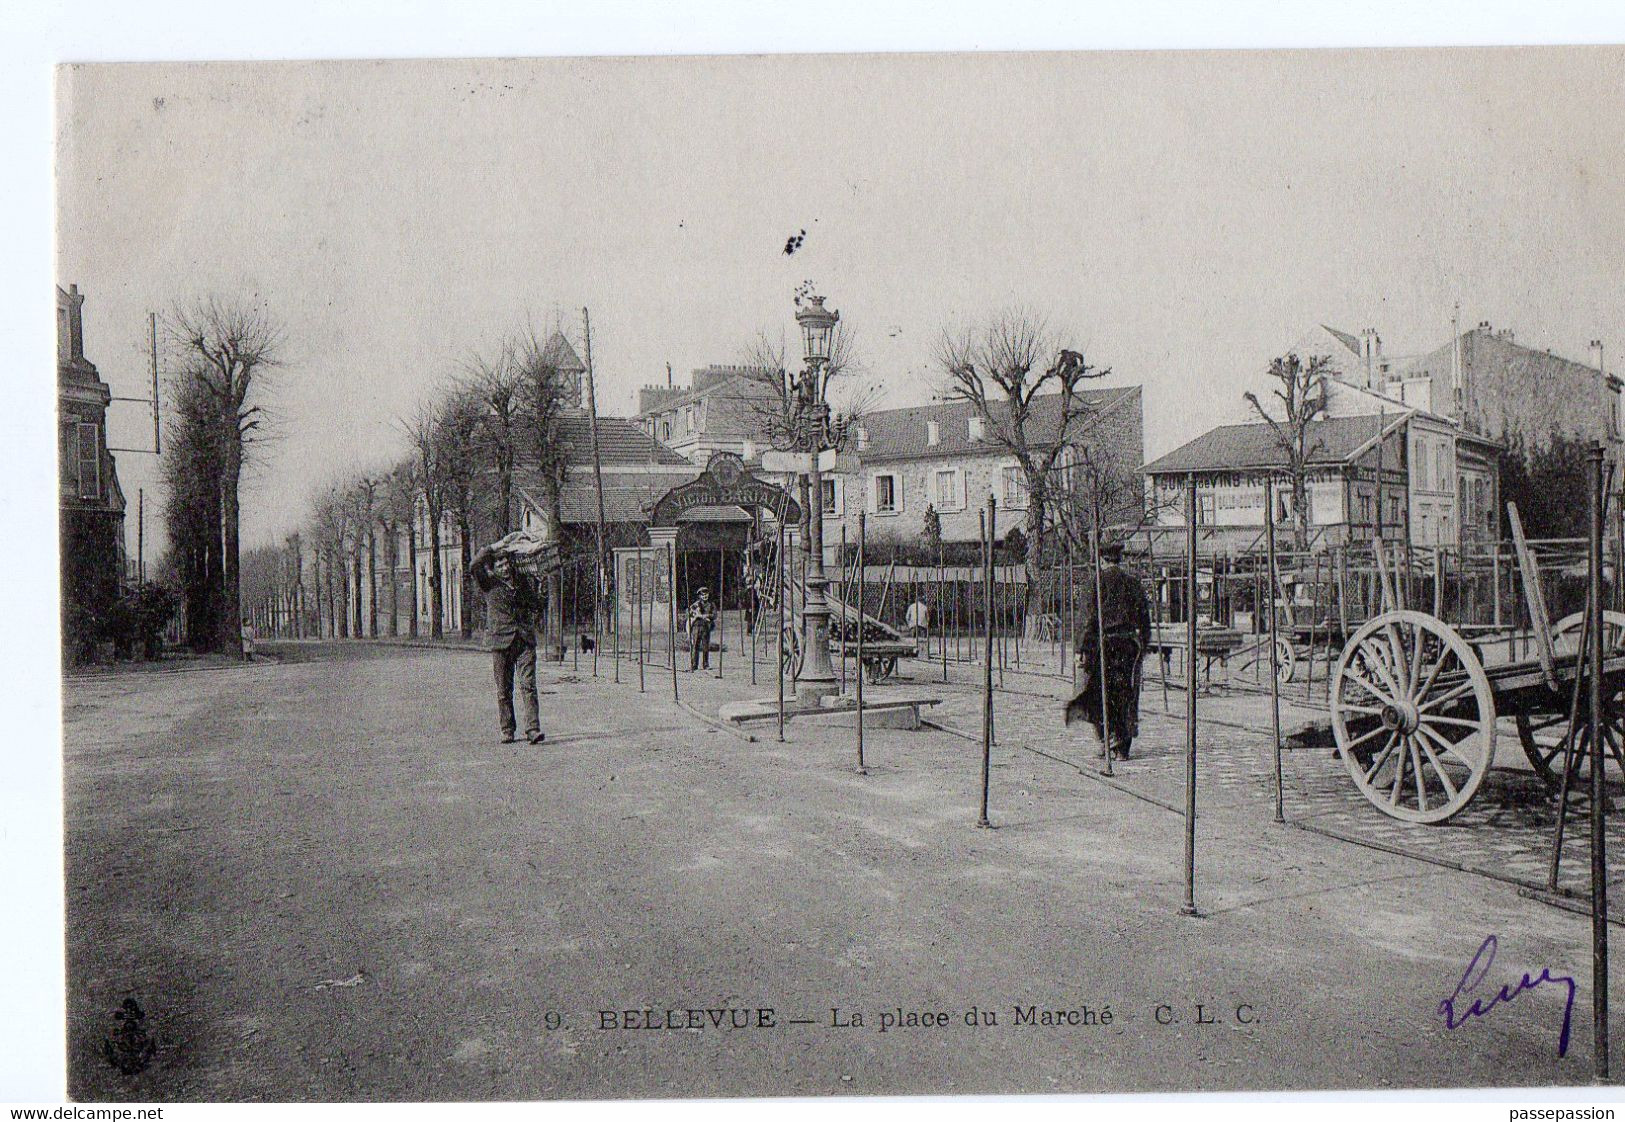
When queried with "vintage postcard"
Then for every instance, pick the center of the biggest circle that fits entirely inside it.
(841, 575)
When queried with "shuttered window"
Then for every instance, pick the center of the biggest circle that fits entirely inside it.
(90, 460)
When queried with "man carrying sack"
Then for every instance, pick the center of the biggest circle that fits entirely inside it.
(1112, 705)
(515, 601)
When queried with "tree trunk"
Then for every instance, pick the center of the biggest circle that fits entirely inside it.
(231, 603)
(437, 578)
(465, 533)
(372, 582)
(412, 576)
(1300, 514)
(355, 567)
(391, 560)
(1034, 564)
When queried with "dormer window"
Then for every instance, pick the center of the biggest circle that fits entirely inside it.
(933, 433)
(863, 438)
(976, 429)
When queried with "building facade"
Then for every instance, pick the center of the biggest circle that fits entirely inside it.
(1378, 469)
(91, 502)
(941, 456)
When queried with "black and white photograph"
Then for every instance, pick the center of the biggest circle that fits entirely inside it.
(810, 574)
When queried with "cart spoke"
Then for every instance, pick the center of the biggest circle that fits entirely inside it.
(1382, 758)
(1378, 731)
(1447, 746)
(1427, 683)
(1370, 687)
(1447, 697)
(1416, 766)
(1460, 722)
(1399, 778)
(1438, 768)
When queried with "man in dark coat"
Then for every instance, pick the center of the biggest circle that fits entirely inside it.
(1125, 617)
(513, 611)
(702, 616)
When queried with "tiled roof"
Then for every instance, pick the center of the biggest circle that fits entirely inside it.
(621, 440)
(899, 434)
(1333, 441)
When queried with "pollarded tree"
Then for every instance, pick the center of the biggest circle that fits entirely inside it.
(1028, 391)
(1301, 390)
(227, 347)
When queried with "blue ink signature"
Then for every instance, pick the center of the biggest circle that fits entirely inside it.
(1477, 968)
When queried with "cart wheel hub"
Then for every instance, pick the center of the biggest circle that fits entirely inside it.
(1400, 717)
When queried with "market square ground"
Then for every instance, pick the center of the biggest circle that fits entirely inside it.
(324, 879)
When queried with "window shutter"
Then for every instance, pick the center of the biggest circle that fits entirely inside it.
(897, 491)
(874, 494)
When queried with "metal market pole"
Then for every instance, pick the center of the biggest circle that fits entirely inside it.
(1100, 640)
(671, 632)
(1594, 719)
(992, 536)
(640, 629)
(987, 680)
(842, 598)
(746, 623)
(1275, 638)
(1189, 907)
(942, 618)
(602, 580)
(858, 669)
(783, 593)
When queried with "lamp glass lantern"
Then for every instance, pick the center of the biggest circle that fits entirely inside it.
(817, 328)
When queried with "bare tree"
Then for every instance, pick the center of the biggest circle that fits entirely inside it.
(1028, 391)
(423, 432)
(227, 348)
(327, 534)
(458, 455)
(495, 382)
(358, 509)
(545, 392)
(401, 490)
(1301, 391)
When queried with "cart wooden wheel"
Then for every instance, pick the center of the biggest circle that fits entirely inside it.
(1286, 660)
(1414, 716)
(1544, 736)
(790, 649)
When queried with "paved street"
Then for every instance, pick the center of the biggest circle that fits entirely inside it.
(325, 879)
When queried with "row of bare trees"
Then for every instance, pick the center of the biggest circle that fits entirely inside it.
(354, 572)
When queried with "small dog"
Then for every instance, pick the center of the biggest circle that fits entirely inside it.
(588, 644)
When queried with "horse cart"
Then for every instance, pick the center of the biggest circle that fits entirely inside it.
(1415, 706)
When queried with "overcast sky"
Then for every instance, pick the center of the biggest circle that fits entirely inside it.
(1180, 217)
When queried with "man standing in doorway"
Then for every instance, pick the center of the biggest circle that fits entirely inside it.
(1112, 705)
(513, 610)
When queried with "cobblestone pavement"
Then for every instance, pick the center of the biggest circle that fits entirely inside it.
(1506, 832)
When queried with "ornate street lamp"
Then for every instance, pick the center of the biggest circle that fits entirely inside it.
(818, 678)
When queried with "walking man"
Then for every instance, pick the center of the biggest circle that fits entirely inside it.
(513, 610)
(1111, 705)
(702, 616)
